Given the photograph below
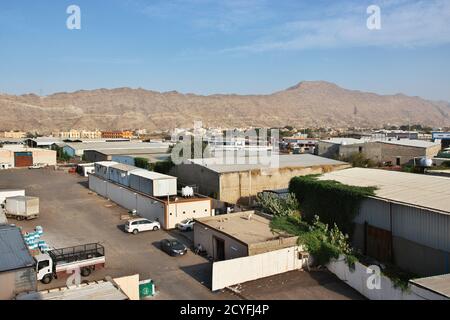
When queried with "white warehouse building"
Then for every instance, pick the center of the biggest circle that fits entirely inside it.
(151, 195)
(407, 222)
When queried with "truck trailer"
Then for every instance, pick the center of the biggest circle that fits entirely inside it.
(22, 208)
(8, 193)
(55, 263)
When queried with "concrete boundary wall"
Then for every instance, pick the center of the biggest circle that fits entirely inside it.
(145, 207)
(231, 272)
(357, 279)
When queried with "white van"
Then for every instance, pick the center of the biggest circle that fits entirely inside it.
(139, 225)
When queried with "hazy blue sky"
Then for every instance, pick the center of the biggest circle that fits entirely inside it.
(228, 46)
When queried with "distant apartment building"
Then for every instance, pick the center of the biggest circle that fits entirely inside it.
(76, 134)
(124, 134)
(13, 134)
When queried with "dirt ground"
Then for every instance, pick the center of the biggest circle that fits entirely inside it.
(72, 215)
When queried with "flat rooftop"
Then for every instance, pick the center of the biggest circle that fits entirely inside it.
(411, 143)
(438, 284)
(237, 225)
(125, 167)
(13, 251)
(252, 163)
(427, 191)
(135, 151)
(128, 145)
(100, 290)
(152, 175)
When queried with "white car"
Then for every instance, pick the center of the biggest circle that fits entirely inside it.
(37, 166)
(139, 225)
(186, 225)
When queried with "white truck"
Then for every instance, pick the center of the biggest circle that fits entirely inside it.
(22, 208)
(85, 258)
(7, 193)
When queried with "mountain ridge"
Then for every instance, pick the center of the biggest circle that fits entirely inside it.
(308, 103)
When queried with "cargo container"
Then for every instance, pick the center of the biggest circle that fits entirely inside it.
(153, 183)
(102, 168)
(120, 173)
(22, 208)
(7, 193)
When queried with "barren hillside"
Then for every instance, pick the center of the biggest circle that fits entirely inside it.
(306, 104)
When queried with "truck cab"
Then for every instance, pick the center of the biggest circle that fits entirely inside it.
(44, 268)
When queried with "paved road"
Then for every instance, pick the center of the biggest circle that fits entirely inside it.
(71, 215)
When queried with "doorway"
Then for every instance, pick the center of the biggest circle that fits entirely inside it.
(219, 252)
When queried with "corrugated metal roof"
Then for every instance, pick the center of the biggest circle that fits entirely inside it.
(13, 252)
(252, 163)
(125, 167)
(106, 163)
(427, 191)
(411, 143)
(134, 151)
(115, 145)
(439, 284)
(104, 290)
(152, 175)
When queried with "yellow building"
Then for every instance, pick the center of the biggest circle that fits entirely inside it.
(13, 134)
(76, 134)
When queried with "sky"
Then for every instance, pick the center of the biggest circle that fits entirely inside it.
(227, 46)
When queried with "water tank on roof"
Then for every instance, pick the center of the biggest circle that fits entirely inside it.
(425, 162)
(187, 192)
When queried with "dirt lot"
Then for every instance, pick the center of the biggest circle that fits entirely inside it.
(298, 285)
(72, 215)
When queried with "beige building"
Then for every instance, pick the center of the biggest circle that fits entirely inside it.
(13, 134)
(76, 134)
(238, 235)
(386, 151)
(18, 156)
(240, 183)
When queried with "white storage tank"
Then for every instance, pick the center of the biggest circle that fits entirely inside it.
(153, 183)
(120, 173)
(7, 193)
(102, 168)
(22, 206)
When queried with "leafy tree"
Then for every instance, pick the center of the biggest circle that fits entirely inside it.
(278, 206)
(141, 163)
(358, 159)
(162, 166)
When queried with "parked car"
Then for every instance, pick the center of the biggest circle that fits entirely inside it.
(186, 225)
(37, 166)
(139, 225)
(173, 247)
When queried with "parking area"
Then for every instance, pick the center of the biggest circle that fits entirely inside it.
(72, 215)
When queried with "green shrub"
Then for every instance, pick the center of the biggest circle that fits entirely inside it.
(278, 206)
(332, 201)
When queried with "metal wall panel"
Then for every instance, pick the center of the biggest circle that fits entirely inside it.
(423, 226)
(375, 212)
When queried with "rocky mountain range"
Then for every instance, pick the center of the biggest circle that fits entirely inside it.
(313, 104)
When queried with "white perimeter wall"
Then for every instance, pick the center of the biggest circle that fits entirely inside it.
(357, 279)
(145, 207)
(231, 272)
